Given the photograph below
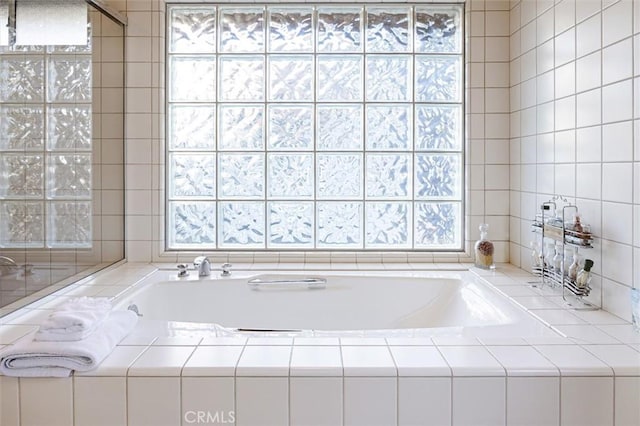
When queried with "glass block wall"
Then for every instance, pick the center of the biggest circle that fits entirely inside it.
(315, 127)
(61, 161)
(45, 147)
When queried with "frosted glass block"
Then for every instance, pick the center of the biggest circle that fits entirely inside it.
(291, 78)
(69, 224)
(241, 78)
(242, 29)
(290, 225)
(339, 225)
(388, 176)
(69, 127)
(192, 224)
(339, 78)
(21, 127)
(438, 78)
(193, 29)
(438, 30)
(40, 22)
(438, 176)
(339, 127)
(388, 225)
(439, 127)
(290, 175)
(192, 175)
(4, 30)
(291, 30)
(389, 78)
(241, 176)
(21, 175)
(339, 29)
(241, 128)
(69, 176)
(389, 127)
(21, 78)
(242, 225)
(339, 176)
(290, 127)
(69, 79)
(21, 224)
(192, 126)
(438, 225)
(192, 78)
(388, 29)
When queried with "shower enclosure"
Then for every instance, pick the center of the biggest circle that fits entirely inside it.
(61, 150)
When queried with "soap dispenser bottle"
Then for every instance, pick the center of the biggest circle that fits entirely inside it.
(584, 276)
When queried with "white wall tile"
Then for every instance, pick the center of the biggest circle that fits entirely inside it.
(316, 401)
(617, 22)
(588, 108)
(617, 62)
(588, 34)
(617, 141)
(46, 401)
(479, 401)
(153, 401)
(533, 401)
(627, 395)
(617, 101)
(262, 401)
(581, 407)
(213, 396)
(10, 401)
(588, 180)
(424, 401)
(100, 401)
(589, 144)
(370, 401)
(617, 181)
(565, 47)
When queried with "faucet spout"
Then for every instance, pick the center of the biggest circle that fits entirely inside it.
(203, 265)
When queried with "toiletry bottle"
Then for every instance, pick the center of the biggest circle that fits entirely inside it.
(536, 260)
(584, 276)
(577, 224)
(557, 259)
(549, 253)
(484, 249)
(575, 265)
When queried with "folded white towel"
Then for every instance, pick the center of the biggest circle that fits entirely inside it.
(74, 320)
(31, 358)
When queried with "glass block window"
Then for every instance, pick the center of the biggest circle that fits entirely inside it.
(45, 147)
(330, 127)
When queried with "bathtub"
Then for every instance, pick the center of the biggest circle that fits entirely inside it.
(330, 303)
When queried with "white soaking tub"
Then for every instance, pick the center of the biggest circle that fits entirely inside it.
(327, 301)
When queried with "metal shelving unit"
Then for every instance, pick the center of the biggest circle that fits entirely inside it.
(568, 237)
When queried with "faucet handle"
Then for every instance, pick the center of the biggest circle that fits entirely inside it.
(182, 270)
(226, 269)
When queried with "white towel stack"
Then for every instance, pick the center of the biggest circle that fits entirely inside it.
(75, 320)
(73, 340)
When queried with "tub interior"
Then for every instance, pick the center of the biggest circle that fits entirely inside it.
(345, 303)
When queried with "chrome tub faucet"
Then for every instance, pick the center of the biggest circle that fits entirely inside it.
(203, 265)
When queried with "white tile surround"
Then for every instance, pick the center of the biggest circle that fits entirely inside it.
(591, 376)
(551, 108)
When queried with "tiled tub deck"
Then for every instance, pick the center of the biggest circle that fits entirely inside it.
(160, 375)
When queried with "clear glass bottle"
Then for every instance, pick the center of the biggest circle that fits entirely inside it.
(558, 259)
(549, 253)
(575, 266)
(584, 276)
(484, 249)
(536, 259)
